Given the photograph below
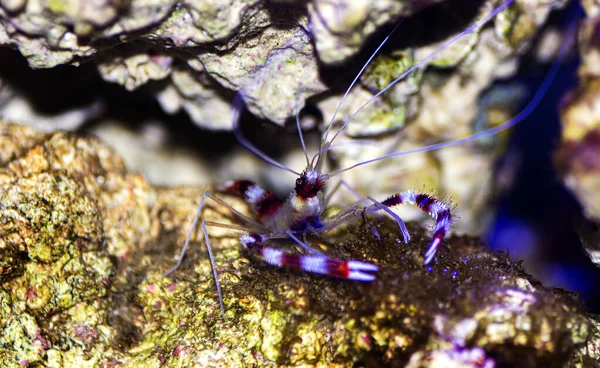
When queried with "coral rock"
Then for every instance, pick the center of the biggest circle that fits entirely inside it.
(578, 156)
(262, 48)
(85, 246)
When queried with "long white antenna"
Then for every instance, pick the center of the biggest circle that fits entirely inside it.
(238, 106)
(468, 30)
(570, 35)
(356, 79)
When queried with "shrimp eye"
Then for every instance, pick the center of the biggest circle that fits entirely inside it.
(298, 181)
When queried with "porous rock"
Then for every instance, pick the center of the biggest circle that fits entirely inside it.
(196, 55)
(87, 245)
(258, 47)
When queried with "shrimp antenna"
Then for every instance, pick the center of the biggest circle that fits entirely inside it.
(541, 92)
(238, 106)
(356, 79)
(360, 142)
(300, 134)
(468, 30)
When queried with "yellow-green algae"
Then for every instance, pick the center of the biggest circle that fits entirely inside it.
(84, 287)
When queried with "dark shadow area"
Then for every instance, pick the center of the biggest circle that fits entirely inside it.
(286, 14)
(59, 89)
(54, 90)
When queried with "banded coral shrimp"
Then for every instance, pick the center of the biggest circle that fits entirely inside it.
(301, 214)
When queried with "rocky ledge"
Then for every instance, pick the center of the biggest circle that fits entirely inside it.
(84, 246)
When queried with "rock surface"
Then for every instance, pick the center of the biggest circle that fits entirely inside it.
(195, 55)
(203, 50)
(85, 244)
(578, 156)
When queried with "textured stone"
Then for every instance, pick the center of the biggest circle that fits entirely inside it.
(87, 245)
(578, 156)
(262, 48)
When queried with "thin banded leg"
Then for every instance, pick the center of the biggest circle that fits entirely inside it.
(439, 210)
(207, 241)
(235, 212)
(345, 215)
(351, 213)
(315, 263)
(342, 183)
(395, 216)
(350, 209)
(211, 257)
(303, 243)
(195, 222)
(213, 268)
(348, 214)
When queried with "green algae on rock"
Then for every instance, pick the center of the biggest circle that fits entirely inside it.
(83, 284)
(62, 198)
(58, 266)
